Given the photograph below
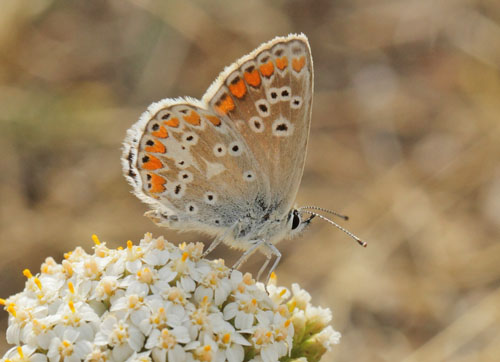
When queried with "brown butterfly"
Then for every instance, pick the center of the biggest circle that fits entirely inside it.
(230, 165)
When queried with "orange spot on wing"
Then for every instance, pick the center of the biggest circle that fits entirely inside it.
(298, 63)
(193, 118)
(172, 122)
(238, 89)
(267, 69)
(214, 120)
(252, 78)
(158, 147)
(282, 63)
(150, 162)
(160, 133)
(225, 104)
(157, 183)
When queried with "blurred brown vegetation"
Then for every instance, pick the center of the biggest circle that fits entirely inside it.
(405, 139)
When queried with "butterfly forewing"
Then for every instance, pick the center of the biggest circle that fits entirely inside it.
(268, 96)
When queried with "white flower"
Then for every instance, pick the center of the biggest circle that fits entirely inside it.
(128, 303)
(272, 336)
(123, 337)
(38, 332)
(66, 348)
(165, 344)
(158, 252)
(186, 271)
(106, 288)
(214, 286)
(79, 317)
(243, 283)
(229, 342)
(45, 287)
(318, 317)
(24, 354)
(134, 254)
(50, 266)
(328, 337)
(98, 355)
(141, 281)
(177, 295)
(155, 302)
(204, 354)
(277, 294)
(18, 317)
(160, 313)
(300, 296)
(140, 357)
(244, 309)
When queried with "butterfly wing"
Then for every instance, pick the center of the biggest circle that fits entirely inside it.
(192, 166)
(207, 164)
(268, 96)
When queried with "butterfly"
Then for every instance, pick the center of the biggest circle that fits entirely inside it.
(230, 165)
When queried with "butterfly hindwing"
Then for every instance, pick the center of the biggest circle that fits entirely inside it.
(185, 160)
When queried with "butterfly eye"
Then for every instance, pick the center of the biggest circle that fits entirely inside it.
(296, 220)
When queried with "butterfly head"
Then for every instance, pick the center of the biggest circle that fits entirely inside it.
(297, 221)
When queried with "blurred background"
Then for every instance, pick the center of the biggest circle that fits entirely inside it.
(405, 139)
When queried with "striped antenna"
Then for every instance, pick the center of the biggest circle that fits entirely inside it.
(360, 242)
(345, 217)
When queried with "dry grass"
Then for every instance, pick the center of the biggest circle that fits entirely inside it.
(405, 139)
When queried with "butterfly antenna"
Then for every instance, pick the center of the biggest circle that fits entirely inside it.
(360, 242)
(345, 217)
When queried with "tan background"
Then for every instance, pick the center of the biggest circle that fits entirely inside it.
(405, 139)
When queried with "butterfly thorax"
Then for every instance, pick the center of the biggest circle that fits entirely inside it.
(254, 226)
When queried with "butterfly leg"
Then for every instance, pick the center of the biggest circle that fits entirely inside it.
(264, 266)
(219, 239)
(272, 250)
(248, 253)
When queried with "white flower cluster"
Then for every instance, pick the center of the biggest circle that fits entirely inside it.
(159, 302)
